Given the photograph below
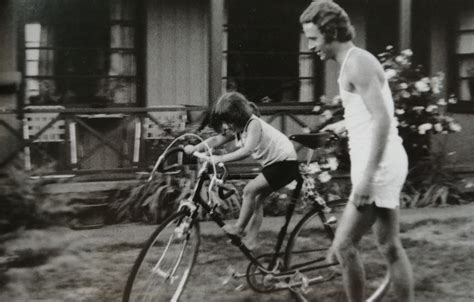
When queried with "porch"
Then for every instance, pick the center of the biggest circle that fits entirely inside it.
(101, 144)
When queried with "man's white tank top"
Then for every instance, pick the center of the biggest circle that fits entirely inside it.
(273, 147)
(358, 119)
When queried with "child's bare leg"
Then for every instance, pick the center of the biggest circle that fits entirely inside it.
(257, 186)
(254, 225)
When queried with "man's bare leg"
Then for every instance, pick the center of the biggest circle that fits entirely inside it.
(386, 229)
(352, 226)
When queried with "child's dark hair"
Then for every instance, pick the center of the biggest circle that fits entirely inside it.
(232, 108)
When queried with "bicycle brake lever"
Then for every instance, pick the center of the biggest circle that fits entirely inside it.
(331, 220)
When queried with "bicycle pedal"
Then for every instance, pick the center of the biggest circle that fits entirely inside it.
(231, 274)
(331, 220)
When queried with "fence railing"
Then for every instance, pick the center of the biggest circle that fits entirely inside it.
(110, 140)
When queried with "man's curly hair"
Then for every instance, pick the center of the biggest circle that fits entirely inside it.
(331, 20)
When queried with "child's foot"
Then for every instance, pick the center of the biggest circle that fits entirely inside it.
(233, 230)
(250, 243)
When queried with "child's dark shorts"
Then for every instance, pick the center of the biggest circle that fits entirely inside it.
(281, 173)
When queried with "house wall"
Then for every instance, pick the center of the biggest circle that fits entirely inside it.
(8, 63)
(459, 144)
(177, 49)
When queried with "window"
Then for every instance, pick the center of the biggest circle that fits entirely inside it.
(465, 51)
(80, 52)
(265, 52)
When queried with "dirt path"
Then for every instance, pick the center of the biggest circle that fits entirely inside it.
(93, 265)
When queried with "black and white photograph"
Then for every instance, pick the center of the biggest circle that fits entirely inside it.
(236, 150)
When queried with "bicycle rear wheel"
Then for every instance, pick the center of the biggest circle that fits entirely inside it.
(309, 243)
(164, 264)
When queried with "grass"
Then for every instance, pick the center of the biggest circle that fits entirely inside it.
(92, 265)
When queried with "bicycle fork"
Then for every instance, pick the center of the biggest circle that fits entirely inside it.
(179, 232)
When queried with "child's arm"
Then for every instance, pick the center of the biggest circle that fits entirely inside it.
(254, 130)
(212, 142)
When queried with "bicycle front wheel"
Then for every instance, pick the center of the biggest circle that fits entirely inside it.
(309, 244)
(164, 264)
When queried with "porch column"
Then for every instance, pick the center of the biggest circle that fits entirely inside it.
(405, 24)
(9, 76)
(216, 22)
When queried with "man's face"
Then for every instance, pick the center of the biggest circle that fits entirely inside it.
(316, 41)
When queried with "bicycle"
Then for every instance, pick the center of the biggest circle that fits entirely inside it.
(163, 267)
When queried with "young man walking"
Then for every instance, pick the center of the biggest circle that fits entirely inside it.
(379, 162)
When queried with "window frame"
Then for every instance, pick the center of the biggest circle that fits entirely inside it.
(318, 70)
(138, 51)
(463, 106)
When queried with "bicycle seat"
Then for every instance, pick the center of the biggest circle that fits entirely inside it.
(314, 140)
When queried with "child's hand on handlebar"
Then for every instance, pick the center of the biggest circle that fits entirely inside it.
(204, 156)
(189, 149)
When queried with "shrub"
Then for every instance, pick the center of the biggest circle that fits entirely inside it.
(421, 113)
(419, 106)
(24, 204)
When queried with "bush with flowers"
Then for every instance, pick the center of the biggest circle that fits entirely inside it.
(421, 113)
(419, 106)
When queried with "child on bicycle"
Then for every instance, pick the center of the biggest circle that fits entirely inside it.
(233, 117)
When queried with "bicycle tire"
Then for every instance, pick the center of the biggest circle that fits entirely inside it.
(309, 243)
(165, 262)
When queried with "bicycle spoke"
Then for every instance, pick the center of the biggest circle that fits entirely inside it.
(164, 265)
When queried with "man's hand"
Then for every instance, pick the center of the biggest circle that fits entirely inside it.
(338, 128)
(361, 194)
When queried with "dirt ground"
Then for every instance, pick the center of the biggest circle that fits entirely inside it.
(92, 265)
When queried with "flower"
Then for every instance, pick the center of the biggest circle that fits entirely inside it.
(424, 127)
(314, 168)
(418, 108)
(333, 163)
(324, 177)
(405, 94)
(452, 100)
(438, 127)
(399, 111)
(455, 127)
(390, 73)
(441, 102)
(422, 86)
(400, 59)
(407, 52)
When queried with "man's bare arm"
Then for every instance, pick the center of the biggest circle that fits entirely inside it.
(367, 77)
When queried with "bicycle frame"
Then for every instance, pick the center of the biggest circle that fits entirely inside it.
(202, 177)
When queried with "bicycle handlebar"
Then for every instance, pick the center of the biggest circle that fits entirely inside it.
(222, 191)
